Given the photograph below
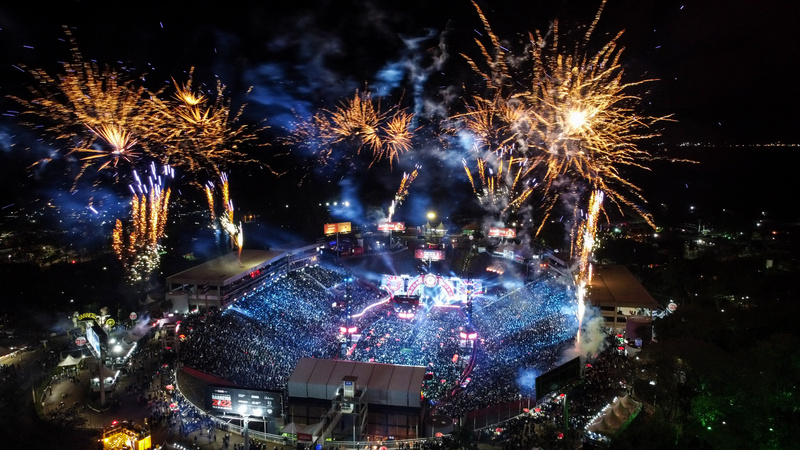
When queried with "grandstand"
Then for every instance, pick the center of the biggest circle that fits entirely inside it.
(282, 333)
(216, 283)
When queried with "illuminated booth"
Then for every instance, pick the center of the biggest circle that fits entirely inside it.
(126, 435)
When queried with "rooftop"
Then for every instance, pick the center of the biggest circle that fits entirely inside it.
(616, 286)
(226, 269)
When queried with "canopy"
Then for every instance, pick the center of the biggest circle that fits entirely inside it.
(69, 361)
(616, 416)
(291, 428)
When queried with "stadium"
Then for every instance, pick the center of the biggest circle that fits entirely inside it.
(394, 345)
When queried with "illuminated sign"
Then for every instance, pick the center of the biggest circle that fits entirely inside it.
(249, 402)
(392, 226)
(88, 316)
(447, 289)
(471, 335)
(333, 228)
(430, 255)
(93, 339)
(221, 401)
(502, 232)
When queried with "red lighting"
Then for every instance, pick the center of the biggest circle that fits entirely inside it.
(73, 261)
(352, 330)
(114, 423)
(620, 348)
(463, 335)
(342, 330)
(472, 336)
(455, 357)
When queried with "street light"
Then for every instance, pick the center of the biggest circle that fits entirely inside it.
(242, 410)
(431, 215)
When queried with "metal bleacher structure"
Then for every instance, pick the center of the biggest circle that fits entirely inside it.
(356, 391)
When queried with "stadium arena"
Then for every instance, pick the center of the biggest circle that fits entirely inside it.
(425, 343)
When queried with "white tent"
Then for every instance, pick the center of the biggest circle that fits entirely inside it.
(291, 428)
(69, 361)
(615, 416)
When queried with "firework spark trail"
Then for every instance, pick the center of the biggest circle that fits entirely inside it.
(402, 191)
(586, 243)
(356, 123)
(226, 218)
(210, 199)
(149, 212)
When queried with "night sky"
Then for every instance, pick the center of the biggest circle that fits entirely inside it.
(724, 71)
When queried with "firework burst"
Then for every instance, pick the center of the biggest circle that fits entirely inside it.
(120, 147)
(356, 123)
(564, 111)
(87, 102)
(504, 185)
(569, 115)
(200, 133)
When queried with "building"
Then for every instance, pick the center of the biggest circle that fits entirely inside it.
(619, 296)
(216, 283)
(356, 400)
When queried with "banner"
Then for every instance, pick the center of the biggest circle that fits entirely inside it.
(432, 255)
(502, 232)
(333, 228)
(392, 226)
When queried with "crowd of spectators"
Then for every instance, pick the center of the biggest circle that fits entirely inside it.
(604, 379)
(259, 339)
(430, 339)
(523, 333)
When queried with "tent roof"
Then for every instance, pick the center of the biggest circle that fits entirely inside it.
(616, 286)
(615, 416)
(291, 428)
(69, 361)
